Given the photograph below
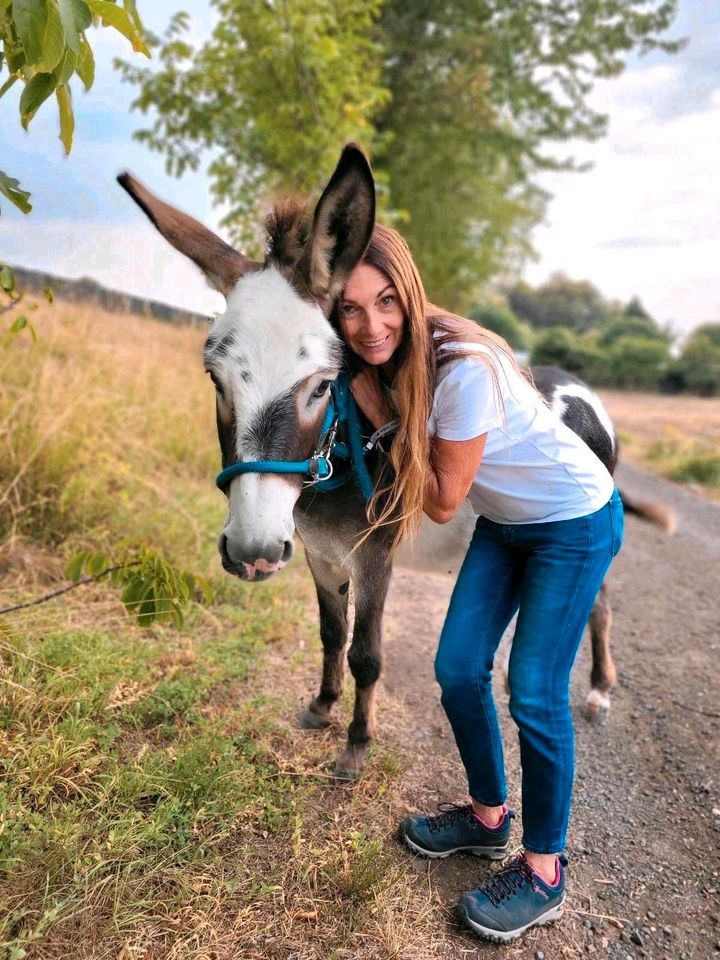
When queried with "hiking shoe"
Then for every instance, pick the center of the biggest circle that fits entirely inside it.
(512, 900)
(454, 829)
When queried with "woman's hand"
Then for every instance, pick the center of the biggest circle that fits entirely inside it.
(369, 396)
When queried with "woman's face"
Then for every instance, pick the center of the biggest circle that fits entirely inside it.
(371, 318)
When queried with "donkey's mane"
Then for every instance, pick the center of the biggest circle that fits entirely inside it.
(288, 227)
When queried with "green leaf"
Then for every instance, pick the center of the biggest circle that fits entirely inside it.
(15, 58)
(53, 41)
(116, 17)
(64, 70)
(96, 563)
(8, 83)
(74, 568)
(31, 17)
(83, 17)
(34, 95)
(48, 294)
(67, 120)
(7, 278)
(132, 593)
(85, 68)
(19, 325)
(75, 17)
(10, 187)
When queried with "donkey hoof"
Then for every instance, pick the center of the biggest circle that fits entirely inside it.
(597, 707)
(350, 763)
(341, 772)
(312, 721)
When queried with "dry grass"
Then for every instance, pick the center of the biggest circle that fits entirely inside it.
(675, 436)
(156, 800)
(95, 421)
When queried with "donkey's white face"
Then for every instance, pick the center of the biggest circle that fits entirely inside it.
(273, 353)
(271, 356)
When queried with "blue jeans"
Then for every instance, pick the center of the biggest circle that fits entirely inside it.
(550, 573)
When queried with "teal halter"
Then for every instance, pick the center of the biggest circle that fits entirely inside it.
(319, 468)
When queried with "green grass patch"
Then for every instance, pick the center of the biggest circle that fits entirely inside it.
(698, 468)
(685, 461)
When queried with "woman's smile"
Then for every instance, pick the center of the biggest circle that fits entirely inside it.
(371, 317)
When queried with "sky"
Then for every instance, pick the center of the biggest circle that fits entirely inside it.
(644, 220)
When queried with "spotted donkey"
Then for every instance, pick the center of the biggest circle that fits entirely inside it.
(272, 357)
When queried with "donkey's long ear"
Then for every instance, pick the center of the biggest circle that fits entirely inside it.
(222, 265)
(342, 225)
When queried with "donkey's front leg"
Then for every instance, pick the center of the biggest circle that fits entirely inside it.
(365, 660)
(331, 585)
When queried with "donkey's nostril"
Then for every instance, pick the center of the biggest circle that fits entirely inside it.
(288, 550)
(222, 546)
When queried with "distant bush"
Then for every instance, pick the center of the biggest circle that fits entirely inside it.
(636, 362)
(560, 347)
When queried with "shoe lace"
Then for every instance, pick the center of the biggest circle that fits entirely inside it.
(449, 813)
(507, 881)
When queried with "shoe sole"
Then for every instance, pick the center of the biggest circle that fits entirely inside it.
(507, 936)
(490, 853)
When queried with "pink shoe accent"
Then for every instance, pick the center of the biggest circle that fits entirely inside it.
(492, 826)
(547, 883)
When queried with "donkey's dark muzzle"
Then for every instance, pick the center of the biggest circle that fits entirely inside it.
(254, 561)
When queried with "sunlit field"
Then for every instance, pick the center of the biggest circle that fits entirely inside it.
(677, 437)
(155, 797)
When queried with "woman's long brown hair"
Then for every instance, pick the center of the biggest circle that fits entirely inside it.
(423, 350)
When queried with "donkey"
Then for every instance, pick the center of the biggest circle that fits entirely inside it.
(272, 357)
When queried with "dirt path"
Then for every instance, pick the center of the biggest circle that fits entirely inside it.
(645, 830)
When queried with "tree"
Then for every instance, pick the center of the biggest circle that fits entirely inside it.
(631, 325)
(457, 101)
(559, 302)
(709, 330)
(700, 361)
(503, 321)
(634, 308)
(274, 92)
(43, 46)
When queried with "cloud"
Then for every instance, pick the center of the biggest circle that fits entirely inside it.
(646, 218)
(630, 243)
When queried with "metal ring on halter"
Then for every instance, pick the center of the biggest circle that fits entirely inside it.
(313, 470)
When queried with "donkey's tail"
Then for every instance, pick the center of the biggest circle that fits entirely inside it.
(651, 511)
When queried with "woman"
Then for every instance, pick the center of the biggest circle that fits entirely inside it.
(549, 525)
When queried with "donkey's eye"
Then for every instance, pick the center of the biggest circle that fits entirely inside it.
(216, 382)
(321, 389)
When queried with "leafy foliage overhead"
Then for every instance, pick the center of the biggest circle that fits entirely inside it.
(459, 101)
(273, 93)
(43, 46)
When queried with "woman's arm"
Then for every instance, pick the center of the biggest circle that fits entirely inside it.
(453, 465)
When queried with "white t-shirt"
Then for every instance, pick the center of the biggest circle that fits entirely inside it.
(534, 468)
